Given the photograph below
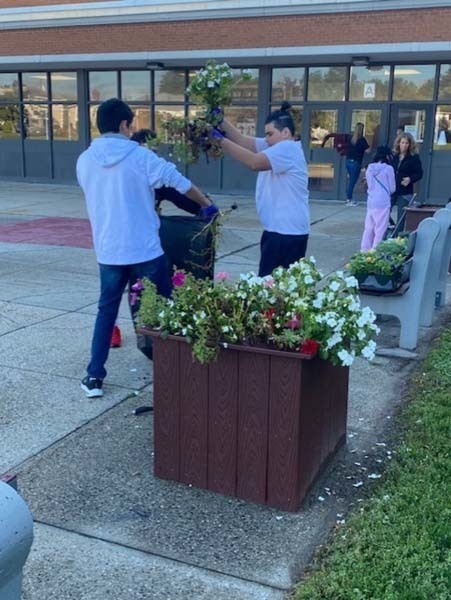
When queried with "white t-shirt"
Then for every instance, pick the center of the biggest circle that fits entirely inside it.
(282, 193)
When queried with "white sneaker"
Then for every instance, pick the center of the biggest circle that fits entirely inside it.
(352, 203)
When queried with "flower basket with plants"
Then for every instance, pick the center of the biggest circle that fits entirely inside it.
(384, 268)
(210, 87)
(294, 310)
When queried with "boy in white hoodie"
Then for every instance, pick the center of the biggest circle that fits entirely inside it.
(380, 177)
(118, 178)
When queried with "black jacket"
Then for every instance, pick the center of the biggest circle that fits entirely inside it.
(411, 167)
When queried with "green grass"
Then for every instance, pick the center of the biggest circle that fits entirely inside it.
(398, 547)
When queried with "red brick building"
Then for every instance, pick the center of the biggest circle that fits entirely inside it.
(386, 63)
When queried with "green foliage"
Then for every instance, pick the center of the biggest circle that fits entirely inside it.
(285, 311)
(386, 259)
(399, 546)
(210, 87)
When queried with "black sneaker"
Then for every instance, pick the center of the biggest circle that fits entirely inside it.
(92, 387)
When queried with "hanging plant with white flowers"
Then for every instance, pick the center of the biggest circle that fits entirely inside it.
(210, 88)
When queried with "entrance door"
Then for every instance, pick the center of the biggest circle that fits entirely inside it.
(323, 162)
(440, 155)
(416, 120)
(375, 122)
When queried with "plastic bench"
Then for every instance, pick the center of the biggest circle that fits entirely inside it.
(437, 274)
(406, 303)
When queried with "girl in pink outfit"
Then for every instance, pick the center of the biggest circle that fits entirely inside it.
(380, 177)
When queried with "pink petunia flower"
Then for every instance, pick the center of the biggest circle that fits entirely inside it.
(138, 286)
(178, 278)
(222, 275)
(293, 323)
(269, 282)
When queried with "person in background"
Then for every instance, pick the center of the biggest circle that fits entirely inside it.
(118, 178)
(142, 136)
(408, 170)
(356, 148)
(380, 178)
(282, 185)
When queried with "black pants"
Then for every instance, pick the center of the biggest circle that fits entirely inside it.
(280, 250)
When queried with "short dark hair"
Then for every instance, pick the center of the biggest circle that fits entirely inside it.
(111, 113)
(383, 154)
(282, 118)
(143, 135)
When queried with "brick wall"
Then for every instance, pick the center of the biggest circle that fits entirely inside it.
(315, 30)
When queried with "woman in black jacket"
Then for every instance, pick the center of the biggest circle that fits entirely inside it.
(408, 170)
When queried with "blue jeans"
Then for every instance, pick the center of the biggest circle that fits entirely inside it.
(113, 280)
(353, 170)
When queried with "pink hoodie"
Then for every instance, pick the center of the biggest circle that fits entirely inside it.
(380, 178)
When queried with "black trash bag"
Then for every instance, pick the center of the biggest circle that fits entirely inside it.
(188, 243)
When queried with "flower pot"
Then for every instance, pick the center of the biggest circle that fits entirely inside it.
(257, 424)
(380, 283)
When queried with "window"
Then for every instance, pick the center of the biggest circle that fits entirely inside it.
(369, 83)
(442, 131)
(9, 121)
(34, 86)
(327, 83)
(36, 121)
(102, 85)
(288, 84)
(9, 86)
(65, 122)
(170, 86)
(64, 86)
(414, 82)
(243, 117)
(135, 86)
(245, 91)
(444, 86)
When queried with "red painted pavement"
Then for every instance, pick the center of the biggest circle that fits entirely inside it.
(52, 231)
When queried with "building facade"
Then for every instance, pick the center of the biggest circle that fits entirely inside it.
(386, 63)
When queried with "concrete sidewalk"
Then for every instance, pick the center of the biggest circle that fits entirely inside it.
(104, 526)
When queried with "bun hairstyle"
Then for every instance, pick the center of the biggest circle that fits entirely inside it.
(282, 118)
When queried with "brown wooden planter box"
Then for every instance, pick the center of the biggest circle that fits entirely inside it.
(257, 424)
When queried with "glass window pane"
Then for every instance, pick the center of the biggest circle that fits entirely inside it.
(93, 131)
(169, 86)
(320, 177)
(288, 84)
(245, 91)
(34, 86)
(9, 86)
(243, 117)
(322, 122)
(36, 121)
(442, 132)
(413, 121)
(9, 121)
(64, 86)
(297, 113)
(65, 122)
(135, 86)
(142, 117)
(444, 86)
(163, 113)
(102, 85)
(327, 83)
(371, 120)
(414, 82)
(369, 83)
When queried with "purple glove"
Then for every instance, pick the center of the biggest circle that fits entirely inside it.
(208, 213)
(218, 116)
(217, 134)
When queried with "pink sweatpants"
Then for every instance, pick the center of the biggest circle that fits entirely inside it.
(376, 223)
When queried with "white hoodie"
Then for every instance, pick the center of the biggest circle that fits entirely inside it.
(381, 184)
(118, 178)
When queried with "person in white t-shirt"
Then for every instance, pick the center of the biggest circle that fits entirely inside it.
(282, 185)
